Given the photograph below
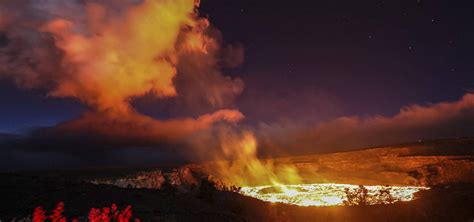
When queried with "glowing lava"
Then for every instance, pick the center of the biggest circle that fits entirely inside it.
(249, 172)
(330, 194)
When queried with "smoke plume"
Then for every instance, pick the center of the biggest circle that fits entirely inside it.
(108, 53)
(412, 123)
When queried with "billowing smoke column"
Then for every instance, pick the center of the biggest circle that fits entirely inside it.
(106, 53)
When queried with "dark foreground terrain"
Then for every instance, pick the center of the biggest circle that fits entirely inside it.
(20, 194)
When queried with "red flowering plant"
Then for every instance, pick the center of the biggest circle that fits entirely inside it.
(106, 214)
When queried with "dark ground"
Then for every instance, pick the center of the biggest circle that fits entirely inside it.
(21, 193)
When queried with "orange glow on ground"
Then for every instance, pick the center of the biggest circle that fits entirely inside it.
(328, 194)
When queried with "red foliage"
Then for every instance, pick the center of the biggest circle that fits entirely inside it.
(38, 215)
(57, 215)
(111, 214)
(125, 215)
(107, 214)
(115, 211)
(94, 215)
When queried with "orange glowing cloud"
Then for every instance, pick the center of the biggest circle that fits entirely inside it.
(107, 54)
(121, 58)
(135, 127)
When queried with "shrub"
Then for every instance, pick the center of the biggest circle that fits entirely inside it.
(357, 197)
(385, 196)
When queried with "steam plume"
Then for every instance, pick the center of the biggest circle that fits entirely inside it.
(107, 53)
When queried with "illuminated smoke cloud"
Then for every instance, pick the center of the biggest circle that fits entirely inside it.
(108, 53)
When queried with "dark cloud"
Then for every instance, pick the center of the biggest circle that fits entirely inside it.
(43, 152)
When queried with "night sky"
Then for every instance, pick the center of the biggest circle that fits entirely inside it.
(372, 57)
(311, 62)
